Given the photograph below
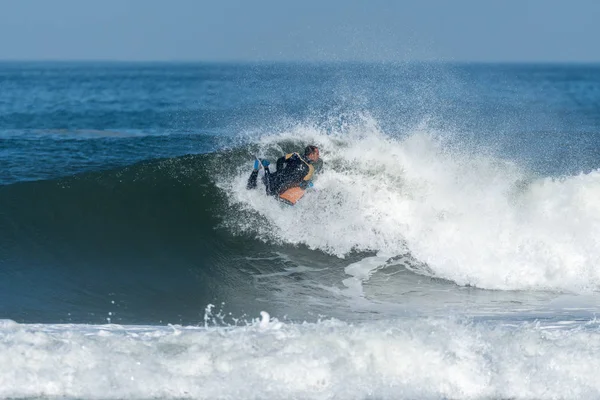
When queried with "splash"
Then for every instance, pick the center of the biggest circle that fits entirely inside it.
(267, 359)
(471, 217)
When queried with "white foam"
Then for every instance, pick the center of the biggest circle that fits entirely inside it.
(473, 219)
(435, 358)
(361, 271)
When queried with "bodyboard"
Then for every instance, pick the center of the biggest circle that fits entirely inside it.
(292, 195)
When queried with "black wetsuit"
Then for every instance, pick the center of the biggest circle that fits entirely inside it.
(292, 170)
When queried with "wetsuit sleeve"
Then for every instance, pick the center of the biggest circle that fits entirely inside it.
(252, 180)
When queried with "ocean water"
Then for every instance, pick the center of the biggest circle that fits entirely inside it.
(450, 247)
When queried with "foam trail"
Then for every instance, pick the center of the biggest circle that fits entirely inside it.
(435, 358)
(471, 218)
(361, 271)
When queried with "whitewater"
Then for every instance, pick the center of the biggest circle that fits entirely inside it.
(329, 359)
(471, 218)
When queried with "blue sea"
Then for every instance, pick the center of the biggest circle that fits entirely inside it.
(449, 249)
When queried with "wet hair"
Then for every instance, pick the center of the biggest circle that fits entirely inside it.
(310, 149)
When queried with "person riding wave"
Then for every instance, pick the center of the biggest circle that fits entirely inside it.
(293, 170)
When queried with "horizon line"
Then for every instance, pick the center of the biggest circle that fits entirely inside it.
(296, 61)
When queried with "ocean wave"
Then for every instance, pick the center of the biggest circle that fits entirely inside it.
(464, 216)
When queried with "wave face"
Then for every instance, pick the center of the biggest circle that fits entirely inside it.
(123, 238)
(149, 243)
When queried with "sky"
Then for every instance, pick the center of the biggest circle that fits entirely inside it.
(308, 30)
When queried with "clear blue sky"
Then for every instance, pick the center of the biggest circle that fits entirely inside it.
(266, 30)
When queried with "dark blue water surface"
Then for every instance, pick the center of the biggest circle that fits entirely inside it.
(60, 118)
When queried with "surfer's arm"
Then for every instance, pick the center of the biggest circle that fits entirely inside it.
(252, 180)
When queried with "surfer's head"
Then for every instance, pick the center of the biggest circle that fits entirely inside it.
(312, 153)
